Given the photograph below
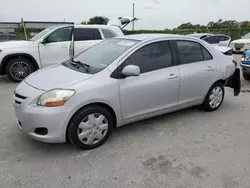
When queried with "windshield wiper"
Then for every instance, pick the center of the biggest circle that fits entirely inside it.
(84, 65)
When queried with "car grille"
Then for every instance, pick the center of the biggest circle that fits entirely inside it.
(239, 45)
(18, 99)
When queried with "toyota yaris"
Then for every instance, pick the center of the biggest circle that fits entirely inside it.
(119, 81)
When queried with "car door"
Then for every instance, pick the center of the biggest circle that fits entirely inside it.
(214, 40)
(197, 70)
(156, 89)
(55, 48)
(85, 38)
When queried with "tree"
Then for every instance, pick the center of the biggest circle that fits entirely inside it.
(84, 23)
(98, 20)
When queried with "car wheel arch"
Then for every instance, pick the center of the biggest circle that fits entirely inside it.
(220, 81)
(7, 58)
(102, 104)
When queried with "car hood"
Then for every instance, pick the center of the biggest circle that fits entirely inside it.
(14, 43)
(56, 76)
(241, 41)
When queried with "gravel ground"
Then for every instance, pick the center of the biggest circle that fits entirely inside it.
(186, 149)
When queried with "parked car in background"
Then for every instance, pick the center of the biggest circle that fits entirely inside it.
(241, 45)
(7, 37)
(119, 81)
(18, 59)
(214, 39)
(245, 65)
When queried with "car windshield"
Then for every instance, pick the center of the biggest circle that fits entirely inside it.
(41, 34)
(247, 36)
(101, 55)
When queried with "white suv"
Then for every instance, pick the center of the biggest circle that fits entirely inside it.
(18, 59)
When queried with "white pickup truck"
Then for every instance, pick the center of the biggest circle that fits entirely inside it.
(18, 59)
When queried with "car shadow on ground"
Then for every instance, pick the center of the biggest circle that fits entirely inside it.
(148, 126)
(5, 80)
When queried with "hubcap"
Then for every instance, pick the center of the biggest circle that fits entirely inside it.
(215, 97)
(92, 129)
(20, 70)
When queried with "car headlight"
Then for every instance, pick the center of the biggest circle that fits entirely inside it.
(245, 58)
(55, 97)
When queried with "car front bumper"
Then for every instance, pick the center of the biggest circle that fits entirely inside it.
(245, 65)
(31, 117)
(241, 50)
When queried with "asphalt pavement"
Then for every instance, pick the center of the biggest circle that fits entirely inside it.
(186, 149)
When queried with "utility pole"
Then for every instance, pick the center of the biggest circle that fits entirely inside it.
(133, 24)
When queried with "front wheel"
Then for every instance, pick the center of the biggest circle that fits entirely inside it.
(90, 127)
(214, 97)
(18, 69)
(246, 76)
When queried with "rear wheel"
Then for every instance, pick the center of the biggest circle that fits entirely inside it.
(18, 69)
(90, 127)
(214, 97)
(246, 76)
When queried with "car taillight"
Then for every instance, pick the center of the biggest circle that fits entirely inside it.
(235, 63)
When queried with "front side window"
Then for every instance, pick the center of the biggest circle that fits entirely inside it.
(60, 35)
(82, 34)
(152, 57)
(42, 33)
(99, 56)
(191, 52)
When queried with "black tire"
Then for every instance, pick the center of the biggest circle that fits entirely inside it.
(246, 76)
(12, 62)
(72, 130)
(206, 105)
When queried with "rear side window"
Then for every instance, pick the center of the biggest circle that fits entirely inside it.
(152, 57)
(191, 52)
(81, 34)
(107, 33)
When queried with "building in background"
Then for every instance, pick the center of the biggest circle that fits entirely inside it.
(9, 27)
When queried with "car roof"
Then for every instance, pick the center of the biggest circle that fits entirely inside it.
(83, 26)
(94, 26)
(143, 37)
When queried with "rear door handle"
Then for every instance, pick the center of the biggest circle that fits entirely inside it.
(210, 68)
(172, 76)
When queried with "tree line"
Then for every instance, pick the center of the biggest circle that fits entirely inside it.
(220, 24)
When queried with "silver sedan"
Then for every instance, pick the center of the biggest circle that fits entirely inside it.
(119, 81)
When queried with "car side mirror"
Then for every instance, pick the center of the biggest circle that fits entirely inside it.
(44, 41)
(131, 70)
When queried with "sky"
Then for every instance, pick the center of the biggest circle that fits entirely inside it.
(153, 14)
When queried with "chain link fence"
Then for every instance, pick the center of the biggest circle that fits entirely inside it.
(233, 33)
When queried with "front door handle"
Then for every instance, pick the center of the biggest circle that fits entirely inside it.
(210, 68)
(172, 76)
